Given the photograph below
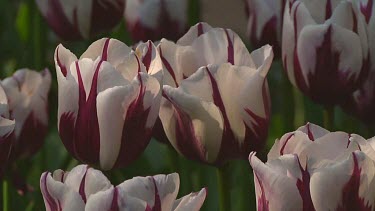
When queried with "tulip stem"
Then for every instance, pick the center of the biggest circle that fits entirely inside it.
(223, 180)
(5, 195)
(328, 118)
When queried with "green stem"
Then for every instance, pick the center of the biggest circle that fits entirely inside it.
(288, 103)
(299, 108)
(37, 39)
(5, 195)
(328, 118)
(173, 159)
(223, 180)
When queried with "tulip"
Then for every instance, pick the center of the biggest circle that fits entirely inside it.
(156, 19)
(74, 20)
(265, 19)
(324, 48)
(221, 112)
(27, 93)
(7, 126)
(200, 46)
(109, 100)
(320, 170)
(84, 188)
(362, 101)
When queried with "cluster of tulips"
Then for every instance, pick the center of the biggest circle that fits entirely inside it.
(201, 91)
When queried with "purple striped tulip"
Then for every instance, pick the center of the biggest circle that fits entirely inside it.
(84, 188)
(265, 19)
(156, 19)
(361, 103)
(109, 100)
(320, 170)
(202, 45)
(7, 126)
(74, 20)
(27, 93)
(221, 111)
(324, 48)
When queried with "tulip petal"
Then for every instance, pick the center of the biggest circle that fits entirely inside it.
(313, 131)
(272, 182)
(86, 181)
(190, 202)
(112, 199)
(350, 183)
(194, 32)
(58, 196)
(158, 191)
(107, 49)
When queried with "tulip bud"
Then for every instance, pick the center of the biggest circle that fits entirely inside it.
(74, 20)
(324, 48)
(156, 19)
(6, 131)
(84, 188)
(109, 100)
(265, 18)
(361, 103)
(27, 92)
(320, 170)
(221, 111)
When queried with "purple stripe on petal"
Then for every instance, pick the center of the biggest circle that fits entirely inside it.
(200, 29)
(367, 10)
(82, 186)
(263, 203)
(114, 204)
(285, 143)
(230, 48)
(187, 143)
(105, 50)
(51, 203)
(328, 9)
(303, 185)
(135, 135)
(350, 194)
(105, 15)
(168, 67)
(31, 137)
(148, 57)
(61, 65)
(157, 201)
(57, 20)
(309, 133)
(66, 132)
(87, 137)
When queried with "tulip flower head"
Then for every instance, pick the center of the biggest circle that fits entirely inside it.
(361, 103)
(156, 19)
(7, 126)
(265, 18)
(109, 100)
(320, 170)
(324, 48)
(216, 101)
(74, 20)
(84, 188)
(27, 93)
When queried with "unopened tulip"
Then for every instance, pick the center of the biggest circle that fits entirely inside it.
(6, 131)
(265, 18)
(156, 19)
(109, 100)
(361, 103)
(320, 170)
(220, 112)
(84, 188)
(202, 45)
(74, 20)
(324, 48)
(27, 92)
